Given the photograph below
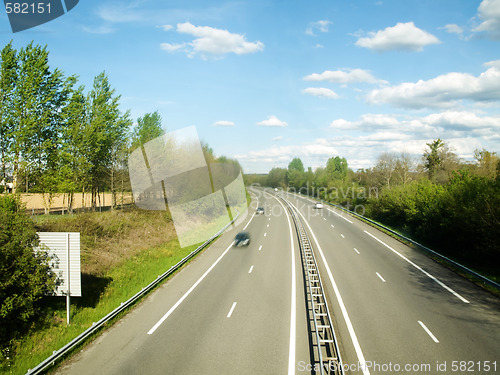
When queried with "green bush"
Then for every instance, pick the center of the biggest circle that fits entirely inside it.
(25, 276)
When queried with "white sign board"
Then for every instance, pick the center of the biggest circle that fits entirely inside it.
(60, 244)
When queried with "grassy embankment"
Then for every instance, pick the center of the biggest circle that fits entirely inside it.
(121, 252)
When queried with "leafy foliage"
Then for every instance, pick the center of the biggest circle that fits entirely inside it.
(25, 276)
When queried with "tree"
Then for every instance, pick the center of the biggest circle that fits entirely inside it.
(105, 131)
(385, 168)
(277, 177)
(148, 127)
(74, 164)
(439, 161)
(295, 175)
(25, 276)
(336, 169)
(486, 163)
(8, 72)
(405, 166)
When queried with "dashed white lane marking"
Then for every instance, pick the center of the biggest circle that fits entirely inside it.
(250, 271)
(420, 269)
(428, 331)
(381, 278)
(231, 311)
(346, 219)
(342, 235)
(260, 247)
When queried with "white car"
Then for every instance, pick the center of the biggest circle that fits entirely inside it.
(318, 205)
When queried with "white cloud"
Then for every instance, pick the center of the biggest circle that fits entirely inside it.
(321, 26)
(223, 123)
(453, 29)
(272, 121)
(447, 124)
(462, 120)
(344, 76)
(402, 37)
(167, 27)
(172, 47)
(321, 92)
(210, 41)
(342, 124)
(493, 64)
(278, 138)
(489, 13)
(119, 13)
(319, 149)
(103, 29)
(443, 91)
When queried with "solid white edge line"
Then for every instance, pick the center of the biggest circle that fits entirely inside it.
(231, 311)
(357, 347)
(428, 331)
(250, 271)
(346, 219)
(381, 278)
(293, 303)
(249, 221)
(172, 309)
(420, 269)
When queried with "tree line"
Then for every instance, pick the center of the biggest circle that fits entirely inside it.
(439, 199)
(56, 137)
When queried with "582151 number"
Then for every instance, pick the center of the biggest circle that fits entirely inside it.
(25, 8)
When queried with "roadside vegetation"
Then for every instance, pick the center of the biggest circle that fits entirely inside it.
(443, 202)
(58, 138)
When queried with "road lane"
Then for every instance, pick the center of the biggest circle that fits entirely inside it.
(386, 315)
(237, 318)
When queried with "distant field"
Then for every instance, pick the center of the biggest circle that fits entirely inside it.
(60, 201)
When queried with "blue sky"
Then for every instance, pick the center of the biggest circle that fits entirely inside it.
(267, 81)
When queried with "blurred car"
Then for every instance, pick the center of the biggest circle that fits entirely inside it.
(242, 239)
(260, 210)
(275, 189)
(318, 205)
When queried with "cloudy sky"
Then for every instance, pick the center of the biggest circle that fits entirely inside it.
(267, 81)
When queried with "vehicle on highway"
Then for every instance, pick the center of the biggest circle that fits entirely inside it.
(260, 210)
(318, 205)
(275, 189)
(242, 239)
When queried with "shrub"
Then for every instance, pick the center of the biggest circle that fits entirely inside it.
(25, 276)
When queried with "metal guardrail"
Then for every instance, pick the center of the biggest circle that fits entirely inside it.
(57, 354)
(423, 247)
(324, 342)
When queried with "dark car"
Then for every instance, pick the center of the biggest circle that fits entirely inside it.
(242, 239)
(260, 210)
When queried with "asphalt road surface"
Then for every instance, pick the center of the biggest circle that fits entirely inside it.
(241, 310)
(233, 310)
(398, 311)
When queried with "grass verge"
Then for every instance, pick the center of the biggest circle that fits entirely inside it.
(122, 252)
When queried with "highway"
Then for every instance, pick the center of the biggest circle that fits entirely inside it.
(241, 310)
(233, 310)
(406, 312)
